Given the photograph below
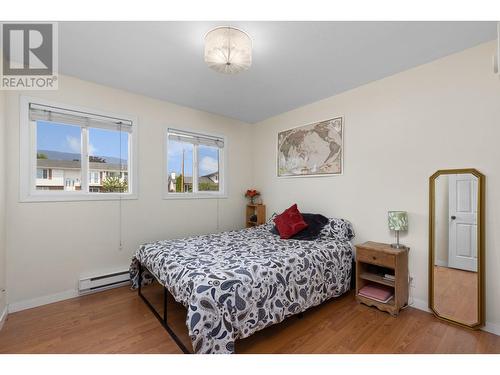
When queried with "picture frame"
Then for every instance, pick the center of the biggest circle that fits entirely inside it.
(312, 150)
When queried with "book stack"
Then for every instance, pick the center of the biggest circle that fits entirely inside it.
(390, 277)
(379, 293)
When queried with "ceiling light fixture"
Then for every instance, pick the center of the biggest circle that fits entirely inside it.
(228, 50)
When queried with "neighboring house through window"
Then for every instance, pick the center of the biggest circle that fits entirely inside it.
(75, 154)
(195, 165)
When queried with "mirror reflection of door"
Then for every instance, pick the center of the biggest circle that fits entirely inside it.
(456, 294)
(463, 222)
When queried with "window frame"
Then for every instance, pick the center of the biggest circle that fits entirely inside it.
(223, 178)
(28, 164)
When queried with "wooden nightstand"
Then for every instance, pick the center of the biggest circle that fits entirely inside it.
(373, 260)
(259, 210)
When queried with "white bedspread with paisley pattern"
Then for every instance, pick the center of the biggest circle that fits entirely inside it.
(239, 282)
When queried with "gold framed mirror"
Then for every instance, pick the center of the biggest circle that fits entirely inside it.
(456, 246)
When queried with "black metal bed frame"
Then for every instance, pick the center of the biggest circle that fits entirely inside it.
(162, 319)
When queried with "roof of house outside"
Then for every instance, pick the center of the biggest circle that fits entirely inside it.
(207, 178)
(72, 164)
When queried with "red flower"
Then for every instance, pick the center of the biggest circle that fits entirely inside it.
(251, 193)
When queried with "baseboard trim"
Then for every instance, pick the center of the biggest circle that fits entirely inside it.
(424, 306)
(441, 263)
(3, 317)
(40, 301)
(420, 304)
(492, 328)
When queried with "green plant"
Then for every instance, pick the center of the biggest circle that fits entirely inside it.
(40, 155)
(96, 159)
(178, 184)
(114, 185)
(208, 186)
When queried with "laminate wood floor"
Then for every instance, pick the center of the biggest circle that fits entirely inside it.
(456, 294)
(117, 321)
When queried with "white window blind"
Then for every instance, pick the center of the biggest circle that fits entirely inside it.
(195, 138)
(83, 119)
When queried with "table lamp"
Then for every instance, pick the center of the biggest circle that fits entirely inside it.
(398, 221)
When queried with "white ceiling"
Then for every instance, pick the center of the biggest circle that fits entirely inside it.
(294, 63)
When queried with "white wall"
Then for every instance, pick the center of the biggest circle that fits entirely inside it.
(2, 205)
(50, 245)
(398, 132)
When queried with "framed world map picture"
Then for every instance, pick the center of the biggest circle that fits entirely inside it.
(312, 150)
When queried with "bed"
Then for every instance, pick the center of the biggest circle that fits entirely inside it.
(238, 282)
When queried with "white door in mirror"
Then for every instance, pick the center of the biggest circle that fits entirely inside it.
(463, 201)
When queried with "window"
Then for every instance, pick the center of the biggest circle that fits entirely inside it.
(108, 153)
(42, 174)
(194, 165)
(75, 154)
(94, 180)
(58, 150)
(208, 168)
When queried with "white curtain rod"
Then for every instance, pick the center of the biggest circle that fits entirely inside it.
(192, 134)
(57, 110)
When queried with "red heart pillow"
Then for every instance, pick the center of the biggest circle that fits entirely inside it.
(290, 222)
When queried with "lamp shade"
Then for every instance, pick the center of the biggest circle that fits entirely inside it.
(228, 50)
(398, 220)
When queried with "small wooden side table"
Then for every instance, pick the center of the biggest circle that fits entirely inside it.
(259, 210)
(373, 261)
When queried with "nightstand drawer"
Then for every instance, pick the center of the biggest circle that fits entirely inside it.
(375, 257)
